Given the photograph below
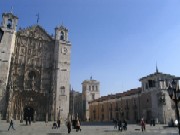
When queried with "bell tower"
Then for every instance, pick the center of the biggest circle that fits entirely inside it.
(9, 21)
(7, 42)
(62, 73)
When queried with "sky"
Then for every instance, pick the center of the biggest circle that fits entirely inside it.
(115, 41)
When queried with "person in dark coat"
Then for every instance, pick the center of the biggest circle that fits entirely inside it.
(125, 125)
(29, 120)
(69, 126)
(120, 125)
(58, 122)
(11, 124)
(26, 120)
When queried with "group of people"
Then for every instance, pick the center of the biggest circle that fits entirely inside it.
(122, 125)
(76, 125)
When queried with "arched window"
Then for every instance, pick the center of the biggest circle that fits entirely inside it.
(62, 35)
(9, 24)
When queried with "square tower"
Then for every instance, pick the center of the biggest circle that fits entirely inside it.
(90, 92)
(8, 28)
(62, 72)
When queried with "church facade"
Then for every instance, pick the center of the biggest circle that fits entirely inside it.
(35, 72)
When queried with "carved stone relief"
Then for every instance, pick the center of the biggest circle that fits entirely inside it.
(32, 71)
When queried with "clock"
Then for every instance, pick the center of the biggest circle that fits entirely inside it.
(64, 50)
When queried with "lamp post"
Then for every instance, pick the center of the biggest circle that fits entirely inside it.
(174, 93)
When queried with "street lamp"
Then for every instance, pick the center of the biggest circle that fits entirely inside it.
(174, 93)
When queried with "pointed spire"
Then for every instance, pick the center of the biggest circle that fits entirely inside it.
(72, 90)
(37, 18)
(91, 78)
(157, 68)
(11, 9)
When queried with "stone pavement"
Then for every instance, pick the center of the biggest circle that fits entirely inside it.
(41, 128)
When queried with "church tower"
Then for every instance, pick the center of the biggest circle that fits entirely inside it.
(90, 92)
(62, 73)
(7, 43)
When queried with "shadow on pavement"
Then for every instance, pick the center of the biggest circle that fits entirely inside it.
(111, 131)
(24, 125)
(3, 131)
(56, 134)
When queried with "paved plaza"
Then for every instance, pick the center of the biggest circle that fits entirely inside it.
(41, 128)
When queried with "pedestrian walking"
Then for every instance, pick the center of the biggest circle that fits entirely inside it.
(125, 125)
(69, 126)
(120, 125)
(58, 122)
(143, 125)
(29, 120)
(26, 120)
(78, 126)
(115, 123)
(11, 124)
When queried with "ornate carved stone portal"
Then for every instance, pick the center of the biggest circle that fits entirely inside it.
(31, 75)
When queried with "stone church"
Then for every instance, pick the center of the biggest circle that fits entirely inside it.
(35, 72)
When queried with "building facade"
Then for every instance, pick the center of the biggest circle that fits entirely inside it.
(35, 72)
(151, 101)
(76, 105)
